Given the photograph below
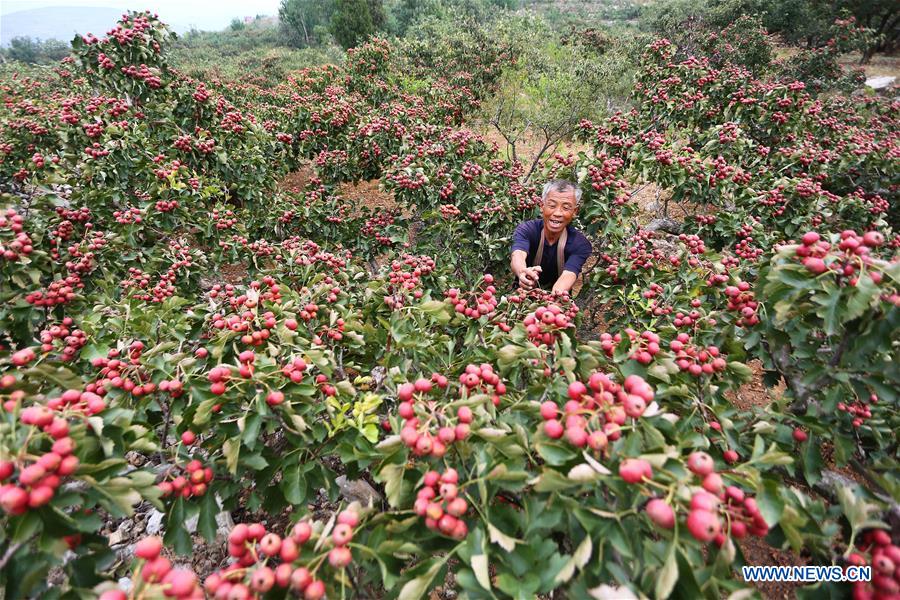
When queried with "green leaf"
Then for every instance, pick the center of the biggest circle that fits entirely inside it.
(392, 477)
(206, 524)
(176, 535)
(418, 587)
(231, 449)
(479, 564)
(812, 462)
(506, 542)
(580, 558)
(668, 575)
(770, 503)
(828, 310)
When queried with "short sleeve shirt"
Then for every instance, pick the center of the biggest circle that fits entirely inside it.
(527, 237)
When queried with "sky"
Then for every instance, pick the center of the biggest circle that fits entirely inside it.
(179, 14)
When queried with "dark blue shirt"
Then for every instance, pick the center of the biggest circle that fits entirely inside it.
(527, 237)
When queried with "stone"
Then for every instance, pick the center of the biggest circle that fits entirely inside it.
(154, 522)
(880, 83)
(358, 491)
(667, 225)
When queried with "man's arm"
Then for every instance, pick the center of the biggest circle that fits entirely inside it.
(527, 276)
(565, 282)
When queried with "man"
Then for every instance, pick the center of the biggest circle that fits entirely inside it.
(548, 252)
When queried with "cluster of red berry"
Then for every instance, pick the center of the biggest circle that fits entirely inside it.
(423, 414)
(707, 506)
(188, 481)
(21, 245)
(647, 345)
(58, 292)
(743, 301)
(438, 500)
(40, 476)
(477, 304)
(72, 340)
(154, 576)
(121, 374)
(595, 412)
(885, 561)
(694, 359)
(858, 410)
(545, 323)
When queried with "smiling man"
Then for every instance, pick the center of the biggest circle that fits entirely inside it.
(549, 252)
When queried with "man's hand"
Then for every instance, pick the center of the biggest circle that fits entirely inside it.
(529, 276)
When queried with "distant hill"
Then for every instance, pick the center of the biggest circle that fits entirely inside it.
(59, 22)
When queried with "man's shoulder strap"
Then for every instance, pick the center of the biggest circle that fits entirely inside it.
(560, 251)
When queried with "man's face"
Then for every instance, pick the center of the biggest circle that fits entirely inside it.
(559, 210)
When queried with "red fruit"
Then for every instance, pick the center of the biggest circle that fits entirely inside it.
(634, 406)
(549, 410)
(701, 463)
(464, 414)
(577, 436)
(422, 385)
(148, 548)
(405, 392)
(873, 239)
(633, 470)
(450, 476)
(881, 537)
(262, 580)
(703, 525)
(704, 501)
(291, 324)
(730, 456)
(113, 595)
(447, 523)
(300, 579)
(64, 446)
(577, 390)
(800, 435)
(553, 429)
(432, 478)
(270, 544)
(815, 265)
(275, 398)
(255, 531)
(342, 534)
(283, 573)
(14, 500)
(713, 483)
(348, 517)
(810, 238)
(238, 534)
(457, 507)
(179, 582)
(661, 513)
(188, 438)
(340, 557)
(597, 440)
(446, 435)
(23, 357)
(7, 468)
(315, 590)
(40, 496)
(32, 474)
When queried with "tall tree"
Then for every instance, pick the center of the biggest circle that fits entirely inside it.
(351, 22)
(301, 18)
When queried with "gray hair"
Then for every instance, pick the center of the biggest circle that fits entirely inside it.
(562, 186)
